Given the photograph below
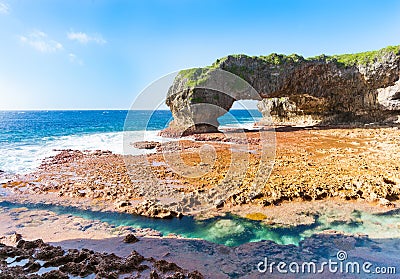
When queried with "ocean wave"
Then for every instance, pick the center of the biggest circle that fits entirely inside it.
(20, 158)
(243, 125)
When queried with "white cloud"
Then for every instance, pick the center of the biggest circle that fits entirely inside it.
(41, 42)
(4, 8)
(84, 38)
(73, 58)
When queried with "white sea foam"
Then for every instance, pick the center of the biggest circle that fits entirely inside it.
(244, 125)
(19, 158)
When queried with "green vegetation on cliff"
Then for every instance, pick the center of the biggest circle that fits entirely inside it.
(195, 76)
(364, 58)
(198, 76)
(279, 59)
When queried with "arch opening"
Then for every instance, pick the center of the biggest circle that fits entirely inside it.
(244, 114)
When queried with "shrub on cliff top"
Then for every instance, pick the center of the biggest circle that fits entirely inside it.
(362, 58)
(198, 76)
(195, 76)
(279, 59)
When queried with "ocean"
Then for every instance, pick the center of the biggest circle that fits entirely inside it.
(27, 137)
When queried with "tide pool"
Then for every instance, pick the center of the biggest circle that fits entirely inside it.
(231, 230)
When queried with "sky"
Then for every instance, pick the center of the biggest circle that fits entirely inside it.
(75, 54)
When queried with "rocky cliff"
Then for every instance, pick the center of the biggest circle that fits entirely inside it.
(362, 87)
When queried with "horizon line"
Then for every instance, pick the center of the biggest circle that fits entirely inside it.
(23, 110)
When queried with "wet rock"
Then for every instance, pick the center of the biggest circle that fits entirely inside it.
(155, 210)
(177, 275)
(121, 204)
(195, 275)
(15, 237)
(385, 202)
(389, 181)
(154, 275)
(65, 156)
(146, 144)
(134, 259)
(48, 253)
(165, 266)
(130, 238)
(33, 267)
(101, 152)
(55, 274)
(79, 263)
(28, 245)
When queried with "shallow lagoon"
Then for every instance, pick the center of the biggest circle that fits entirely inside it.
(232, 230)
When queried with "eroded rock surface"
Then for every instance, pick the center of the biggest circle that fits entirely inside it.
(361, 87)
(146, 144)
(310, 164)
(36, 259)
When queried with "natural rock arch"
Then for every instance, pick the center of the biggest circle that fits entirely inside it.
(197, 106)
(325, 89)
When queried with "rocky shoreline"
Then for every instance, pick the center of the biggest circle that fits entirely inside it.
(317, 170)
(36, 259)
(311, 164)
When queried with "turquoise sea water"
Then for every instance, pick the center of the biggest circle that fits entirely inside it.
(26, 137)
(232, 230)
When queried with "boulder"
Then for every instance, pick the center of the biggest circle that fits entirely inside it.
(146, 144)
(130, 238)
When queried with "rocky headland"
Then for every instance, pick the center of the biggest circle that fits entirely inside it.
(349, 88)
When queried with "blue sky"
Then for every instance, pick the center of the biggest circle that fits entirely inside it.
(96, 54)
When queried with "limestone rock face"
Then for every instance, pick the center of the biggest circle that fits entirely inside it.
(361, 87)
